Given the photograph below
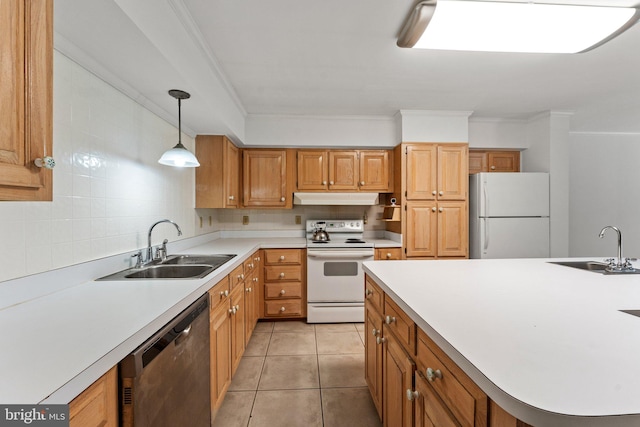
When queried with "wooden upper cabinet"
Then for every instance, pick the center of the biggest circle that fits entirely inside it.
(218, 177)
(493, 161)
(453, 179)
(267, 178)
(421, 171)
(343, 170)
(26, 98)
(375, 170)
(313, 170)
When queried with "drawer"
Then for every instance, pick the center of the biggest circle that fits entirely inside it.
(373, 294)
(459, 393)
(249, 265)
(284, 308)
(283, 256)
(219, 294)
(388, 253)
(401, 325)
(236, 276)
(282, 273)
(283, 290)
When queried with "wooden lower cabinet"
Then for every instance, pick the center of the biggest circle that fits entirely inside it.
(437, 229)
(388, 254)
(397, 374)
(98, 404)
(220, 346)
(373, 354)
(429, 410)
(238, 308)
(284, 283)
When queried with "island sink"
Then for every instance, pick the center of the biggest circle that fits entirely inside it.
(595, 266)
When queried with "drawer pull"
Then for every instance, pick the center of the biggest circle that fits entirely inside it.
(281, 257)
(412, 395)
(388, 255)
(368, 293)
(389, 320)
(232, 197)
(282, 292)
(281, 309)
(282, 275)
(250, 265)
(381, 340)
(361, 183)
(433, 375)
(282, 199)
(224, 294)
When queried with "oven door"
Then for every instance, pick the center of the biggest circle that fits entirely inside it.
(336, 275)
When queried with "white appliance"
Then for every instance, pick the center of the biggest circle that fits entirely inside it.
(335, 279)
(509, 215)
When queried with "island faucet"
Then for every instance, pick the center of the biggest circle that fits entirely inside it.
(623, 265)
(149, 248)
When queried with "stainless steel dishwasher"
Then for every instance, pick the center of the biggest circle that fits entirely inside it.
(165, 381)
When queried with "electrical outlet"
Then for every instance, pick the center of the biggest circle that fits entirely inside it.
(298, 219)
(200, 222)
(245, 220)
(209, 220)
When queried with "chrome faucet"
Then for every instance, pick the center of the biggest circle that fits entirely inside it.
(149, 248)
(623, 264)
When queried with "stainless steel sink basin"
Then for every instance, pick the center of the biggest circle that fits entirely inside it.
(174, 267)
(171, 272)
(595, 266)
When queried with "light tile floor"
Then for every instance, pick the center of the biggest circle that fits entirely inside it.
(295, 374)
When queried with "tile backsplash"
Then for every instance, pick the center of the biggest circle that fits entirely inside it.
(108, 187)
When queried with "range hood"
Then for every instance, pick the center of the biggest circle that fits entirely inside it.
(343, 199)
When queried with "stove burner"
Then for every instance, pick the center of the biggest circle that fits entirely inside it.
(354, 241)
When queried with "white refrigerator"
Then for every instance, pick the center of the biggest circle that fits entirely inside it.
(509, 215)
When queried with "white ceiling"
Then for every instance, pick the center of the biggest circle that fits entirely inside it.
(333, 57)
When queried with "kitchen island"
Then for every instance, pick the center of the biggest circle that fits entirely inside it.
(547, 343)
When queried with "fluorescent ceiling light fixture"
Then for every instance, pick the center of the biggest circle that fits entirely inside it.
(179, 156)
(513, 27)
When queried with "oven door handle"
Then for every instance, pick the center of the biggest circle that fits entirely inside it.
(339, 254)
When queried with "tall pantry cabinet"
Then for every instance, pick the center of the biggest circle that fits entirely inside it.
(434, 190)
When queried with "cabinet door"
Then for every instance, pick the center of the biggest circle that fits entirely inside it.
(98, 404)
(373, 355)
(430, 411)
(504, 161)
(251, 301)
(231, 178)
(220, 352)
(453, 176)
(343, 170)
(218, 177)
(26, 98)
(422, 174)
(313, 170)
(265, 179)
(374, 170)
(237, 327)
(453, 226)
(477, 162)
(397, 374)
(422, 229)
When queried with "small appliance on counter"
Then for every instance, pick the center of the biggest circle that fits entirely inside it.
(335, 279)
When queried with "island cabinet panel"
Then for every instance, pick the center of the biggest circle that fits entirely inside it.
(218, 177)
(267, 178)
(98, 404)
(374, 295)
(498, 417)
(459, 393)
(397, 371)
(284, 286)
(373, 354)
(26, 98)
(429, 410)
(401, 325)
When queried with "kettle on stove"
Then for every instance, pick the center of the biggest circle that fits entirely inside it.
(320, 233)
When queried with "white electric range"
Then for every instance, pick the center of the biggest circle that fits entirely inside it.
(335, 279)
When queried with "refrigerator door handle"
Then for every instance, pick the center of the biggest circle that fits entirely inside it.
(486, 234)
(485, 207)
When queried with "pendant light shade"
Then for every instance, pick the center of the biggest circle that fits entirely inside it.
(179, 156)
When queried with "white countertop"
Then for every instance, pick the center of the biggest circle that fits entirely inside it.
(546, 342)
(56, 345)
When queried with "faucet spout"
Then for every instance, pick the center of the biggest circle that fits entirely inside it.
(149, 249)
(617, 230)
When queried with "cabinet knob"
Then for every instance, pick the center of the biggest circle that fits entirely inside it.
(232, 310)
(433, 193)
(255, 279)
(330, 182)
(282, 199)
(433, 375)
(281, 257)
(237, 307)
(375, 332)
(257, 259)
(232, 197)
(282, 275)
(388, 255)
(389, 320)
(381, 340)
(282, 292)
(433, 209)
(441, 193)
(251, 265)
(247, 290)
(324, 182)
(240, 277)
(368, 293)
(281, 309)
(412, 395)
(440, 209)
(361, 182)
(493, 168)
(224, 294)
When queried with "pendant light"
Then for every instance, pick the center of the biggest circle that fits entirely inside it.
(179, 156)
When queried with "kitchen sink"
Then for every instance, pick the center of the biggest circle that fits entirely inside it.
(174, 267)
(595, 266)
